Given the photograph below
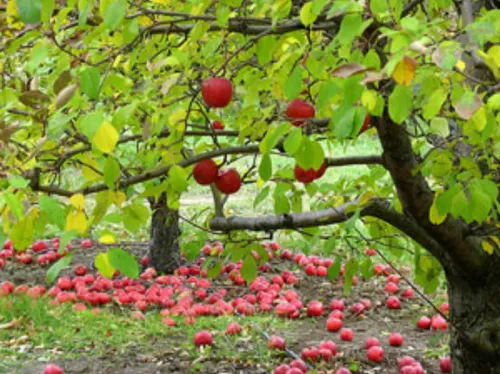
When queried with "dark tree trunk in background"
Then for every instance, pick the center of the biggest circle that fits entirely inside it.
(475, 312)
(164, 250)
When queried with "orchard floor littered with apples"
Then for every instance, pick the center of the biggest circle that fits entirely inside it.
(175, 353)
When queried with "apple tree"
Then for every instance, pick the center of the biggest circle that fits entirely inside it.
(107, 104)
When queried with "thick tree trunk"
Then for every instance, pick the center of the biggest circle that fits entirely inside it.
(475, 315)
(164, 250)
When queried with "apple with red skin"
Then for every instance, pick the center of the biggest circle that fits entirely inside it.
(366, 124)
(337, 304)
(217, 92)
(286, 255)
(406, 361)
(299, 364)
(333, 324)
(445, 365)
(424, 323)
(315, 309)
(53, 369)
(310, 354)
(298, 111)
(393, 303)
(216, 125)
(396, 340)
(325, 354)
(282, 369)
(370, 252)
(346, 335)
(375, 354)
(444, 308)
(343, 371)
(228, 181)
(311, 270)
(205, 172)
(439, 323)
(357, 308)
(393, 278)
(330, 345)
(80, 270)
(277, 342)
(294, 371)
(304, 176)
(391, 288)
(87, 243)
(407, 293)
(371, 342)
(202, 338)
(233, 328)
(321, 271)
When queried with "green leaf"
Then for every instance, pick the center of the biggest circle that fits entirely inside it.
(480, 203)
(293, 141)
(15, 205)
(123, 115)
(266, 167)
(18, 182)
(22, 234)
(135, 216)
(307, 16)
(294, 83)
(222, 13)
(55, 269)
(273, 136)
(29, 10)
(90, 79)
(261, 196)
(445, 200)
(400, 103)
(111, 172)
(65, 238)
(249, 268)
(115, 12)
(54, 210)
(334, 269)
(459, 204)
(124, 262)
(439, 126)
(215, 270)
(327, 92)
(434, 103)
(379, 8)
(90, 123)
(104, 266)
(303, 155)
(265, 49)
(47, 10)
(178, 178)
(343, 120)
(317, 156)
(349, 28)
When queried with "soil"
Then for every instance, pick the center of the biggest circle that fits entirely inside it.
(167, 357)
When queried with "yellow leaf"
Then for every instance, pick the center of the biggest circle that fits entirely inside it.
(365, 197)
(76, 221)
(494, 53)
(405, 71)
(460, 65)
(490, 61)
(145, 21)
(77, 201)
(434, 215)
(161, 1)
(88, 173)
(118, 197)
(107, 239)
(488, 248)
(369, 99)
(106, 137)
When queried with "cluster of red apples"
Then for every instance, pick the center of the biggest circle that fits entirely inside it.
(189, 294)
(217, 93)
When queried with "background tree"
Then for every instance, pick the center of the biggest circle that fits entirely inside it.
(103, 99)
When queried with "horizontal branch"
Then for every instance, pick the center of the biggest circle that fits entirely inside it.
(376, 207)
(163, 170)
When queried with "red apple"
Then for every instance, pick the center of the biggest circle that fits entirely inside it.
(294, 371)
(321, 171)
(203, 338)
(371, 342)
(233, 328)
(299, 364)
(282, 369)
(277, 342)
(311, 270)
(407, 293)
(304, 176)
(357, 308)
(217, 92)
(310, 354)
(346, 335)
(391, 288)
(87, 243)
(375, 354)
(424, 323)
(445, 365)
(299, 110)
(393, 303)
(333, 324)
(439, 323)
(321, 271)
(406, 361)
(315, 309)
(396, 340)
(216, 125)
(205, 172)
(330, 345)
(337, 304)
(366, 124)
(53, 369)
(343, 371)
(80, 270)
(370, 252)
(444, 308)
(228, 181)
(326, 354)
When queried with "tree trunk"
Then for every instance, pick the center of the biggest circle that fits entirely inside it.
(164, 250)
(475, 315)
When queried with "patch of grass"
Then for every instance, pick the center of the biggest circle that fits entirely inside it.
(49, 332)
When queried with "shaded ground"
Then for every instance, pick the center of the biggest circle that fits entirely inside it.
(170, 350)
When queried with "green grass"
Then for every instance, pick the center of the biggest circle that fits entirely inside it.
(59, 332)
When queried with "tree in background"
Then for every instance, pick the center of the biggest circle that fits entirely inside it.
(117, 100)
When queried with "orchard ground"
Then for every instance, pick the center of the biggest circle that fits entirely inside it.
(33, 333)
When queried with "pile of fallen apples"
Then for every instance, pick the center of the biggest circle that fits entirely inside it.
(189, 293)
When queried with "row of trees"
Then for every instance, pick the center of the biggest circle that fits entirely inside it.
(104, 99)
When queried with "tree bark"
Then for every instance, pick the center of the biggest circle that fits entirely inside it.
(475, 317)
(164, 250)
